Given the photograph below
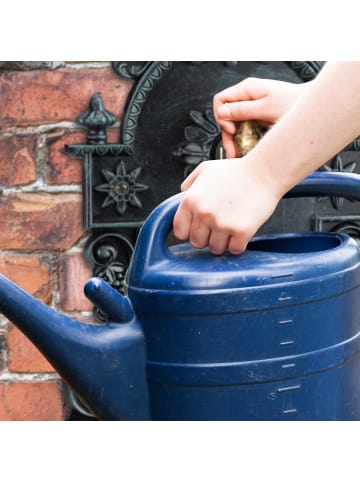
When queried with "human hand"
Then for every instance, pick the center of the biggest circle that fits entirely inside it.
(261, 100)
(225, 203)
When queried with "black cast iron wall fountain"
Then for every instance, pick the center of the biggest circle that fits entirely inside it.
(166, 130)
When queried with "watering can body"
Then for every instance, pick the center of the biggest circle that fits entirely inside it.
(272, 334)
(278, 339)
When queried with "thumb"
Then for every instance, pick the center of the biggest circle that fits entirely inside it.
(244, 110)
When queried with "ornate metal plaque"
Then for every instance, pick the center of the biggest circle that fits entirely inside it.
(168, 128)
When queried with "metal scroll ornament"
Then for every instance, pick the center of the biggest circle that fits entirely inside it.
(110, 255)
(200, 138)
(148, 74)
(130, 70)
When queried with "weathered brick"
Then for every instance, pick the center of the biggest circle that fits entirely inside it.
(40, 221)
(23, 356)
(32, 401)
(31, 272)
(61, 168)
(43, 97)
(17, 160)
(73, 274)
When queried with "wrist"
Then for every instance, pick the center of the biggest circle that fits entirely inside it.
(269, 174)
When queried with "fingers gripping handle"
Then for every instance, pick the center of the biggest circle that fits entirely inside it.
(151, 243)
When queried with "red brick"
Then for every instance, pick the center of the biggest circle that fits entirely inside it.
(17, 160)
(23, 356)
(36, 401)
(30, 272)
(73, 274)
(40, 221)
(62, 169)
(42, 97)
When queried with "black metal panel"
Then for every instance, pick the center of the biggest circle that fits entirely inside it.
(167, 128)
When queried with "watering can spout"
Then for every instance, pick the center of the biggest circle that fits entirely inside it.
(104, 364)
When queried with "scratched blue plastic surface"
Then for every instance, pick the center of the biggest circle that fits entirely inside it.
(272, 334)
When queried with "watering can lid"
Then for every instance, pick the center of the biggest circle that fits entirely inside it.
(268, 260)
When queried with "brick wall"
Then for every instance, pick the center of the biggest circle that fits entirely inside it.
(41, 232)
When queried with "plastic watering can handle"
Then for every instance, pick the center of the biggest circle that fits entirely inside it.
(321, 183)
(152, 240)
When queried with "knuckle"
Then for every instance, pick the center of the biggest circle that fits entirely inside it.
(197, 243)
(237, 249)
(237, 246)
(239, 240)
(204, 165)
(178, 231)
(216, 249)
(221, 224)
(180, 225)
(247, 81)
(198, 238)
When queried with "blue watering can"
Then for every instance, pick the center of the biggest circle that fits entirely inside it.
(271, 334)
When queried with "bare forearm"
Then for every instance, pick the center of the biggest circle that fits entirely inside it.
(320, 124)
(227, 201)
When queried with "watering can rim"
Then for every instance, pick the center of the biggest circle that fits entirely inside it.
(155, 265)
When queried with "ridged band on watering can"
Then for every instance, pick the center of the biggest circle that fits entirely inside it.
(269, 334)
